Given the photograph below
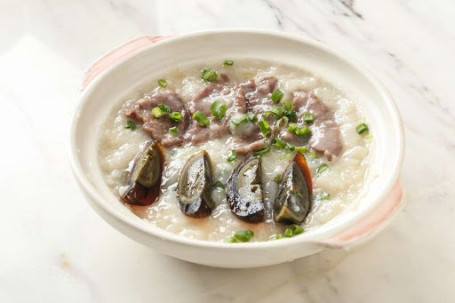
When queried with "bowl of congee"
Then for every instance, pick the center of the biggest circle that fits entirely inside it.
(237, 148)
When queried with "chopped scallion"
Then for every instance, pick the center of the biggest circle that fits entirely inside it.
(218, 109)
(276, 111)
(361, 128)
(260, 152)
(288, 233)
(157, 112)
(292, 128)
(277, 179)
(232, 155)
(173, 130)
(251, 117)
(297, 229)
(242, 236)
(265, 128)
(287, 106)
(209, 75)
(323, 197)
(162, 83)
(277, 95)
(322, 168)
(282, 122)
(313, 154)
(302, 149)
(280, 144)
(303, 131)
(228, 63)
(165, 108)
(293, 230)
(130, 125)
(308, 117)
(219, 184)
(176, 117)
(201, 119)
(238, 120)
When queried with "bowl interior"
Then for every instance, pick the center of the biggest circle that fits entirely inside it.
(112, 86)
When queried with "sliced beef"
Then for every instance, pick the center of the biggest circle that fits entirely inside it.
(258, 94)
(158, 128)
(292, 138)
(326, 135)
(234, 99)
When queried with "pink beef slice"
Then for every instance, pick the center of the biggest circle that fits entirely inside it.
(257, 97)
(232, 96)
(326, 135)
(258, 94)
(158, 128)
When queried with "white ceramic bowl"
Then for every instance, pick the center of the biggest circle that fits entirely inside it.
(113, 75)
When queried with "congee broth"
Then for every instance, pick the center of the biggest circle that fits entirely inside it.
(236, 150)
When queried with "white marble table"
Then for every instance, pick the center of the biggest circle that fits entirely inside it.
(54, 248)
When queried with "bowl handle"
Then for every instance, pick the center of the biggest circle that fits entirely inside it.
(116, 55)
(370, 225)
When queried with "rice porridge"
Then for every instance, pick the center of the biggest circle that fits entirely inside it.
(220, 147)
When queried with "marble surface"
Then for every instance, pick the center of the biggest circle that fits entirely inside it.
(54, 248)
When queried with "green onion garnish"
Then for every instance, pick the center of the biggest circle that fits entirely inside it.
(280, 144)
(232, 155)
(322, 168)
(201, 119)
(228, 63)
(162, 83)
(218, 109)
(278, 236)
(290, 147)
(251, 117)
(312, 154)
(277, 178)
(323, 197)
(219, 184)
(293, 230)
(288, 233)
(292, 128)
(302, 149)
(287, 106)
(265, 128)
(209, 75)
(176, 117)
(297, 229)
(158, 112)
(173, 130)
(165, 108)
(282, 122)
(260, 152)
(238, 120)
(289, 112)
(130, 125)
(242, 236)
(361, 128)
(308, 117)
(303, 131)
(277, 95)
(276, 111)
